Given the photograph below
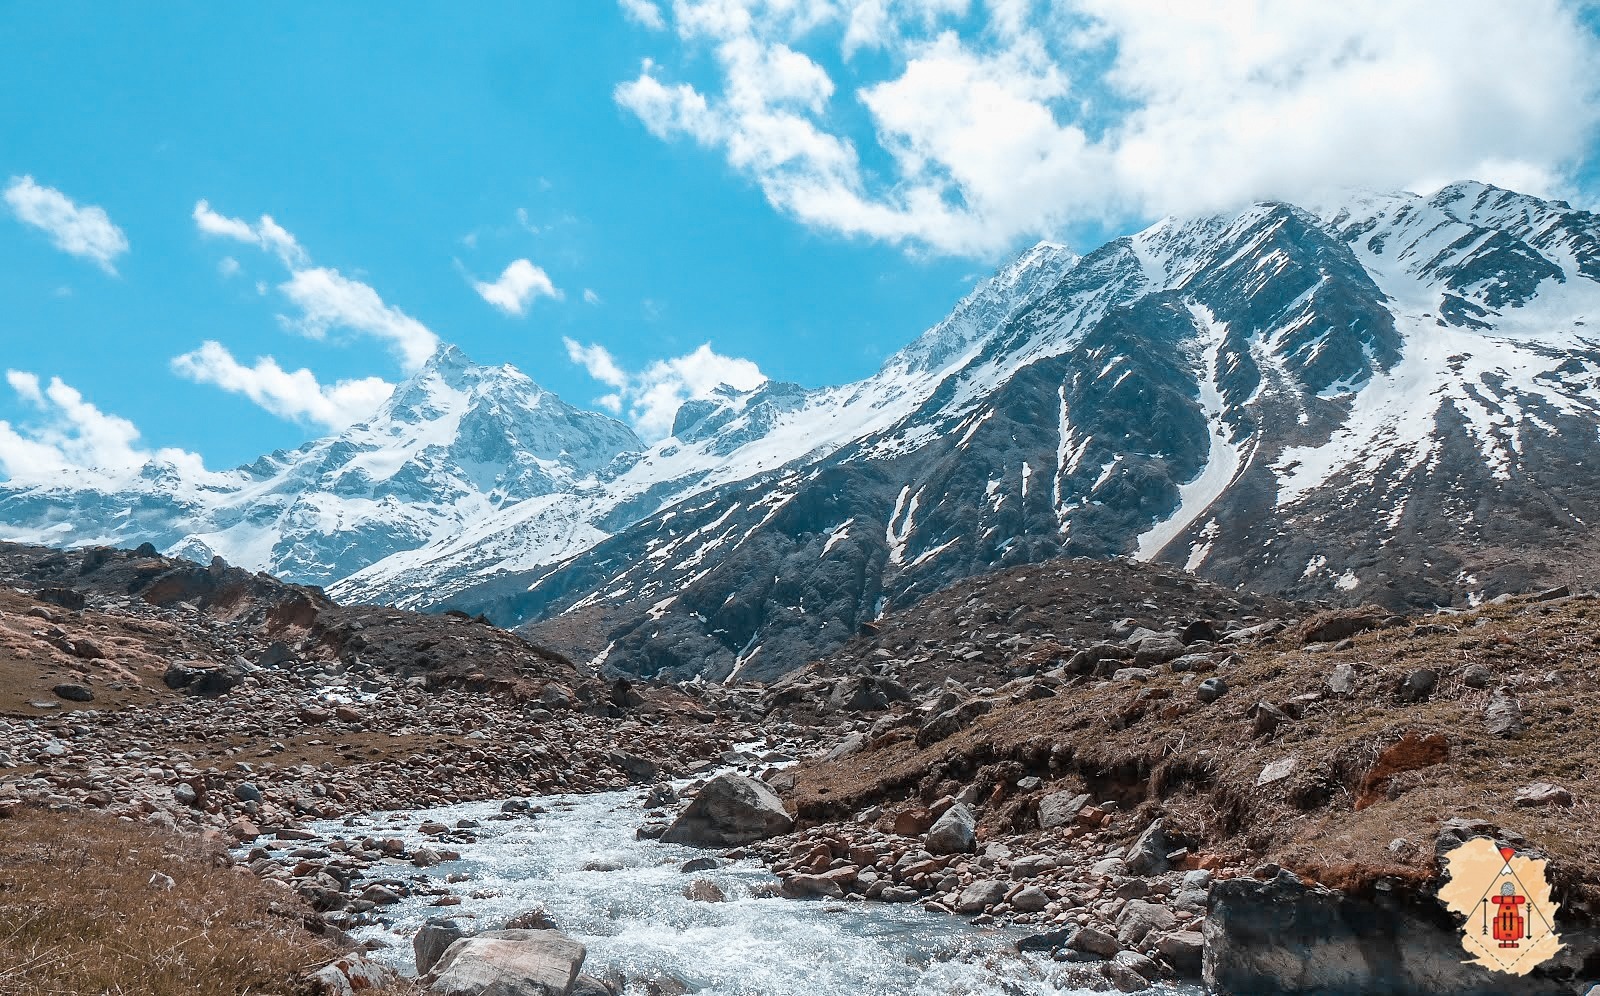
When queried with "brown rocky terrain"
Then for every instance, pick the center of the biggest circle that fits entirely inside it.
(1098, 785)
(1152, 773)
(137, 690)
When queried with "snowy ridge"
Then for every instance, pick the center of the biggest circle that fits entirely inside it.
(1395, 388)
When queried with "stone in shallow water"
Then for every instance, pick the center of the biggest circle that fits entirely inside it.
(509, 963)
(730, 809)
(433, 939)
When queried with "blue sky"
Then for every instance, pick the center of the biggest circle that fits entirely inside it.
(803, 184)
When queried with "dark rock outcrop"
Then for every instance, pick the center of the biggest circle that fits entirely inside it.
(1286, 936)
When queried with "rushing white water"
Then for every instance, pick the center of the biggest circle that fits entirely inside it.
(638, 925)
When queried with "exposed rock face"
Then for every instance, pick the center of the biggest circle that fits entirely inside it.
(1285, 936)
(730, 809)
(509, 963)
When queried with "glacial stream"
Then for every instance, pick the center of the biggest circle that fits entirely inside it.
(638, 926)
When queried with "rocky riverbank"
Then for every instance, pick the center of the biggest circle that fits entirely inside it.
(1103, 792)
(1144, 791)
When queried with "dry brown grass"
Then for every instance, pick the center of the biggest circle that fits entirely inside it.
(79, 915)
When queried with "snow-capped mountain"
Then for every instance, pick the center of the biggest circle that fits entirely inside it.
(1385, 398)
(1392, 398)
(730, 438)
(451, 446)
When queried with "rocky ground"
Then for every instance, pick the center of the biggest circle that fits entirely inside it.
(1099, 787)
(1152, 784)
(237, 709)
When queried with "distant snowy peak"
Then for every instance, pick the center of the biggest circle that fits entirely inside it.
(1476, 254)
(452, 444)
(986, 309)
(455, 426)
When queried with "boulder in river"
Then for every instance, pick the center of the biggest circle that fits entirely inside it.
(509, 963)
(730, 810)
(433, 939)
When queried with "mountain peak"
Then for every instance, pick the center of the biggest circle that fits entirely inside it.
(448, 356)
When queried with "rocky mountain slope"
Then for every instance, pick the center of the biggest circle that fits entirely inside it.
(1387, 398)
(110, 657)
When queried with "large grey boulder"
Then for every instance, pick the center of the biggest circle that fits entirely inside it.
(1158, 648)
(981, 895)
(1148, 855)
(730, 810)
(1060, 808)
(955, 832)
(509, 963)
(1138, 918)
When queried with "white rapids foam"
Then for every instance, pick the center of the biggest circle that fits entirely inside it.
(636, 922)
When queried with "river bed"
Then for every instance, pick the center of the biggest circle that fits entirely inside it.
(623, 899)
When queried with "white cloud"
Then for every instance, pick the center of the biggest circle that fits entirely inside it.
(652, 396)
(266, 233)
(1080, 111)
(82, 230)
(643, 12)
(228, 266)
(295, 394)
(590, 297)
(519, 284)
(329, 300)
(73, 437)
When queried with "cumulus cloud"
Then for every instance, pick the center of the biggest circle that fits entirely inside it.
(296, 394)
(1090, 111)
(329, 300)
(643, 12)
(82, 230)
(652, 396)
(265, 233)
(73, 437)
(519, 284)
(590, 297)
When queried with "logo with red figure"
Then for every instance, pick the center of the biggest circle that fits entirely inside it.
(1503, 900)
